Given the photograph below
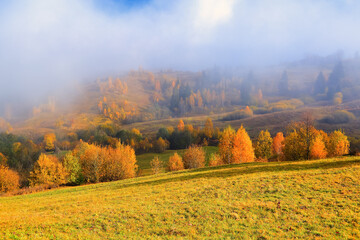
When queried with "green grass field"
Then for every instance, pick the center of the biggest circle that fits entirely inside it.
(278, 200)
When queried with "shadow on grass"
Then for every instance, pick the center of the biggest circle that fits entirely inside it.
(243, 169)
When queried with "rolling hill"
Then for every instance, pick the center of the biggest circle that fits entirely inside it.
(278, 200)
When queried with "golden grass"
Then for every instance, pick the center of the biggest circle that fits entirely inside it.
(279, 200)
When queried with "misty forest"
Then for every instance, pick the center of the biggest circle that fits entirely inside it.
(206, 119)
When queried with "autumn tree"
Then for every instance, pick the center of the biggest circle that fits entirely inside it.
(9, 179)
(161, 145)
(175, 163)
(49, 141)
(294, 147)
(263, 148)
(318, 148)
(242, 149)
(338, 144)
(181, 125)
(278, 144)
(209, 128)
(3, 160)
(156, 165)
(194, 157)
(73, 168)
(226, 144)
(48, 171)
(215, 160)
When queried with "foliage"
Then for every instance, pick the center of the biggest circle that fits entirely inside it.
(338, 117)
(240, 114)
(338, 144)
(49, 141)
(9, 179)
(294, 148)
(263, 148)
(209, 128)
(338, 98)
(278, 144)
(242, 149)
(215, 160)
(72, 165)
(226, 144)
(175, 163)
(194, 157)
(48, 171)
(161, 145)
(3, 160)
(156, 165)
(181, 125)
(318, 148)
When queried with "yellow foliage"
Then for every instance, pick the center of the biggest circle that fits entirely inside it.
(338, 144)
(194, 157)
(242, 150)
(317, 148)
(175, 163)
(278, 143)
(225, 145)
(9, 179)
(48, 171)
(49, 141)
(181, 125)
(156, 165)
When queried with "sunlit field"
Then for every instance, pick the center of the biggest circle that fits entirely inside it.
(278, 200)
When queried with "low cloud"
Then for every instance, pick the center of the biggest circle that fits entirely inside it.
(45, 45)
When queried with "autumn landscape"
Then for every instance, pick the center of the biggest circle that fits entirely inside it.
(197, 119)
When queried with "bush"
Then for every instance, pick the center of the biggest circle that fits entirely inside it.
(156, 165)
(215, 160)
(9, 179)
(286, 105)
(48, 171)
(175, 163)
(263, 148)
(338, 117)
(194, 157)
(161, 145)
(240, 114)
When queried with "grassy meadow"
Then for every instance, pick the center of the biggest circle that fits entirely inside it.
(278, 200)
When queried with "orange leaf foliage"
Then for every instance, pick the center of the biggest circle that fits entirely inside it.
(175, 163)
(194, 157)
(242, 150)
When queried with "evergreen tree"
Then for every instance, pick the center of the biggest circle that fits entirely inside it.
(335, 80)
(284, 84)
(320, 84)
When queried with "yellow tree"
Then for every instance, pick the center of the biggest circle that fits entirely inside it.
(263, 148)
(181, 125)
(278, 143)
(225, 144)
(209, 128)
(175, 163)
(338, 144)
(9, 179)
(49, 141)
(3, 160)
(156, 165)
(242, 150)
(317, 148)
(194, 157)
(49, 171)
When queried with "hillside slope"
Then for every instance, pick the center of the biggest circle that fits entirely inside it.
(306, 199)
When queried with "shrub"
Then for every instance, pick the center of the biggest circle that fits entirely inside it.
(194, 157)
(239, 114)
(48, 171)
(175, 163)
(156, 165)
(286, 105)
(9, 179)
(294, 147)
(338, 117)
(215, 160)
